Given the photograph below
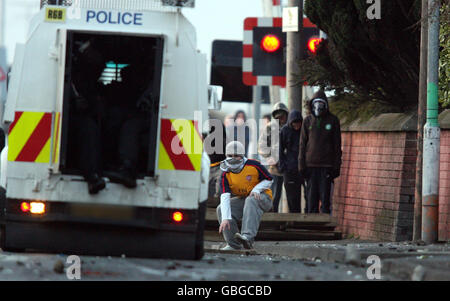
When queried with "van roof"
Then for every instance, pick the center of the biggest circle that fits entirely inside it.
(135, 5)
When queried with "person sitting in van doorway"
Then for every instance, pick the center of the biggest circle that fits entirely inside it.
(288, 164)
(129, 117)
(86, 109)
(320, 153)
(245, 196)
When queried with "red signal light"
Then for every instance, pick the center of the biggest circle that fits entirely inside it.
(313, 43)
(270, 43)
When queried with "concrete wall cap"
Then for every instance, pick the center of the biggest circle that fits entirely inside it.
(389, 122)
(394, 122)
(444, 119)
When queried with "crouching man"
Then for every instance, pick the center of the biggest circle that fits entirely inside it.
(245, 196)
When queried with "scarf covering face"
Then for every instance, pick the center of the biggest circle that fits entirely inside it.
(319, 107)
(233, 165)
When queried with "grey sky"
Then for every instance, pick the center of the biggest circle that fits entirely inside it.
(221, 19)
(17, 18)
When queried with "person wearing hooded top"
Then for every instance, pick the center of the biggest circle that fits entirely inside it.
(239, 131)
(288, 164)
(268, 149)
(320, 153)
(245, 196)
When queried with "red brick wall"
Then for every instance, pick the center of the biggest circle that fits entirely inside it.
(374, 196)
(444, 187)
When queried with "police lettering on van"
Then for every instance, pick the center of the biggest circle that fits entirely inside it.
(109, 17)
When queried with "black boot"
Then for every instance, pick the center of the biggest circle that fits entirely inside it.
(127, 177)
(95, 183)
(123, 175)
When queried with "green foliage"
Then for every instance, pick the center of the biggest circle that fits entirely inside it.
(376, 60)
(444, 57)
(349, 107)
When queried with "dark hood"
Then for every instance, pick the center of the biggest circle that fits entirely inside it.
(319, 94)
(237, 113)
(279, 106)
(294, 115)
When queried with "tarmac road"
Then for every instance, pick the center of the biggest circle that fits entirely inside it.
(213, 267)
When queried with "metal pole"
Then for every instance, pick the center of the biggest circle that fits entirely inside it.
(431, 143)
(421, 119)
(269, 11)
(293, 54)
(257, 94)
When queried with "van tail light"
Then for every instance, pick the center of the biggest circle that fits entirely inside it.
(33, 207)
(177, 216)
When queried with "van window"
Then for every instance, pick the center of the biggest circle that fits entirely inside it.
(112, 73)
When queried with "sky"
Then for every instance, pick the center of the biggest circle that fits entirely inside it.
(219, 19)
(17, 17)
(213, 19)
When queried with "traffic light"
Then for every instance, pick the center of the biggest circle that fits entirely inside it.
(269, 44)
(310, 41)
(313, 43)
(226, 70)
(264, 50)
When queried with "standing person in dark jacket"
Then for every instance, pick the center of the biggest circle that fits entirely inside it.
(289, 150)
(320, 153)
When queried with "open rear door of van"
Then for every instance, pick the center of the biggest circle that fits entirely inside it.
(55, 142)
(155, 110)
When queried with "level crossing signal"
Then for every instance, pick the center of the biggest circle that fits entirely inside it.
(264, 50)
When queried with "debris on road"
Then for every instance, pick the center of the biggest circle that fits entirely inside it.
(352, 256)
(418, 274)
(58, 267)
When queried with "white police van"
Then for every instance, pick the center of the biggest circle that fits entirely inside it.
(45, 204)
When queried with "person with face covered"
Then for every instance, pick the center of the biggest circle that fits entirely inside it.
(320, 153)
(245, 196)
(289, 149)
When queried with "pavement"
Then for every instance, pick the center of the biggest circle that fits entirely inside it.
(405, 260)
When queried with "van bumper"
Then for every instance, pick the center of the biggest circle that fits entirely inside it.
(102, 230)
